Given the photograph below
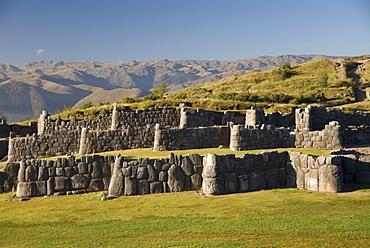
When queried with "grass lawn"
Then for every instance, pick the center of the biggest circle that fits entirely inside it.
(148, 152)
(274, 218)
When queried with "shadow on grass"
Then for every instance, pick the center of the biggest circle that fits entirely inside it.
(356, 187)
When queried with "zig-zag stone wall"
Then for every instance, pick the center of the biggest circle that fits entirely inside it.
(212, 174)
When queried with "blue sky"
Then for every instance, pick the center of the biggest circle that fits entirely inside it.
(147, 30)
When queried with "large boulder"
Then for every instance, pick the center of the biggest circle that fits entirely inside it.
(212, 186)
(26, 189)
(176, 179)
(312, 180)
(143, 187)
(131, 186)
(156, 187)
(187, 166)
(231, 183)
(330, 178)
(95, 185)
(80, 182)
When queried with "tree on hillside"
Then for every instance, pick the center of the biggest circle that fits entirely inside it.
(158, 93)
(2, 117)
(283, 72)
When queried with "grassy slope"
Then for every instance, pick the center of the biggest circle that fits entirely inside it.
(275, 218)
(305, 85)
(131, 154)
(306, 81)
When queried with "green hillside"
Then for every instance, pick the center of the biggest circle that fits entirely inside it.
(313, 82)
(330, 83)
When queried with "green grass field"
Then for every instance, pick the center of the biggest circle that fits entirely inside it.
(148, 152)
(274, 218)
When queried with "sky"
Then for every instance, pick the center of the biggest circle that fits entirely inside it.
(149, 30)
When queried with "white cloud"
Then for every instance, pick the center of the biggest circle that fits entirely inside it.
(40, 52)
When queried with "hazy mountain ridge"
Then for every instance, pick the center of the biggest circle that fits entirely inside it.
(51, 85)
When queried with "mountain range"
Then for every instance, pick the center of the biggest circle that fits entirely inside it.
(26, 90)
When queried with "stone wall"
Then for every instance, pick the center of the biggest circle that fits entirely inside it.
(117, 120)
(271, 170)
(323, 174)
(329, 138)
(149, 176)
(17, 130)
(256, 118)
(130, 138)
(249, 139)
(355, 137)
(316, 117)
(191, 138)
(213, 174)
(356, 168)
(64, 176)
(46, 145)
(202, 118)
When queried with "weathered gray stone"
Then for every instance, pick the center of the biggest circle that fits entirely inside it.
(212, 186)
(40, 188)
(153, 174)
(127, 171)
(196, 159)
(142, 173)
(96, 170)
(163, 176)
(131, 187)
(196, 181)
(134, 171)
(272, 179)
(330, 178)
(69, 171)
(312, 180)
(210, 166)
(80, 182)
(300, 179)
(26, 189)
(166, 167)
(158, 164)
(106, 182)
(187, 166)
(257, 181)
(362, 175)
(95, 185)
(231, 183)
(82, 168)
(22, 172)
(176, 179)
(248, 165)
(62, 184)
(31, 174)
(143, 187)
(50, 186)
(156, 187)
(60, 172)
(43, 174)
(243, 183)
(52, 171)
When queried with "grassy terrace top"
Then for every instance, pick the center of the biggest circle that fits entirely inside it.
(132, 154)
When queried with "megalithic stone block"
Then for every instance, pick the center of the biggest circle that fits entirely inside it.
(116, 185)
(176, 178)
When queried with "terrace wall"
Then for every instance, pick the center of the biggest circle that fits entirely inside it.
(213, 174)
(249, 139)
(316, 117)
